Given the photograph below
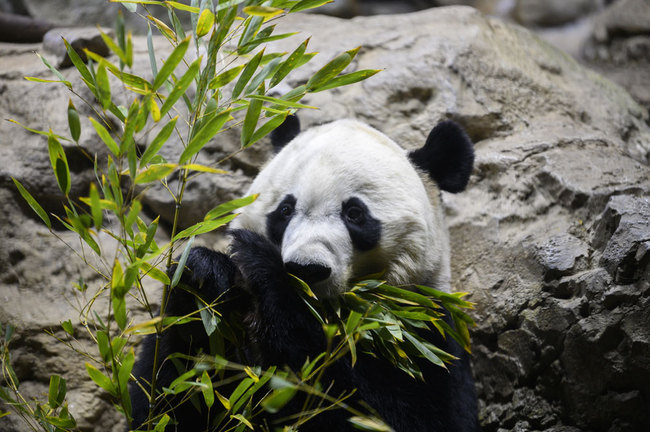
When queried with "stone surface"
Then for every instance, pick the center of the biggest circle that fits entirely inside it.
(550, 239)
(79, 38)
(619, 46)
(552, 12)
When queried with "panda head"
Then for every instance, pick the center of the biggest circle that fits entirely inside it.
(343, 201)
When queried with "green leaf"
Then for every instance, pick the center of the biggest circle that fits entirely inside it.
(205, 23)
(73, 121)
(369, 424)
(347, 79)
(250, 121)
(308, 4)
(267, 128)
(152, 52)
(183, 7)
(105, 136)
(100, 379)
(39, 132)
(181, 86)
(289, 64)
(275, 401)
(125, 370)
(204, 227)
(62, 173)
(263, 11)
(225, 77)
(426, 352)
(162, 424)
(180, 267)
(67, 327)
(155, 273)
(331, 69)
(170, 64)
(55, 71)
(80, 65)
(209, 128)
(32, 203)
(206, 388)
(155, 172)
(57, 391)
(281, 102)
(203, 168)
(247, 74)
(119, 310)
(103, 86)
(113, 46)
(229, 206)
(158, 142)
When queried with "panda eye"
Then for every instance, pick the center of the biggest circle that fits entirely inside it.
(286, 210)
(354, 215)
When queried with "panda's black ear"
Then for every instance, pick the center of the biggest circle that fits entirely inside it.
(284, 133)
(447, 156)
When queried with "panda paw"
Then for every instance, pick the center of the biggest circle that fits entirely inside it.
(208, 274)
(259, 260)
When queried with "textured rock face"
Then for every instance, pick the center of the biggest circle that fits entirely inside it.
(551, 239)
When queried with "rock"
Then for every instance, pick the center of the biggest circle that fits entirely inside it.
(22, 29)
(619, 46)
(79, 38)
(552, 12)
(550, 239)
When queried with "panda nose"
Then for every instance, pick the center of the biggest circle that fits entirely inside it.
(310, 273)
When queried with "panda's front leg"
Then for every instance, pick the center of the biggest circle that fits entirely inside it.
(212, 277)
(282, 330)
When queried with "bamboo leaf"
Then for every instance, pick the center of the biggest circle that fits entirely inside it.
(267, 128)
(183, 7)
(247, 74)
(113, 46)
(170, 64)
(281, 102)
(103, 86)
(181, 86)
(155, 172)
(162, 27)
(205, 23)
(158, 142)
(55, 71)
(100, 379)
(79, 64)
(57, 391)
(206, 388)
(230, 206)
(225, 77)
(331, 69)
(203, 168)
(263, 11)
(289, 64)
(155, 273)
(180, 267)
(73, 121)
(204, 227)
(347, 79)
(33, 203)
(250, 121)
(208, 130)
(105, 136)
(308, 4)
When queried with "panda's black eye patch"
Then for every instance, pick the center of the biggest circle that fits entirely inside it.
(354, 214)
(364, 229)
(278, 219)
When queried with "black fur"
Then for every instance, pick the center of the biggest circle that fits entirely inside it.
(447, 156)
(282, 331)
(364, 229)
(283, 134)
(278, 219)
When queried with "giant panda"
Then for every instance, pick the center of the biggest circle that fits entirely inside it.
(337, 202)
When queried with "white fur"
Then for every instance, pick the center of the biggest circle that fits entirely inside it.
(325, 166)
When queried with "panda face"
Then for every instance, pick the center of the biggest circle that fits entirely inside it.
(342, 201)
